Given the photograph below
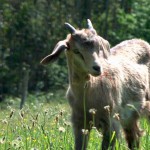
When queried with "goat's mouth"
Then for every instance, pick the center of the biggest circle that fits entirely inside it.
(95, 71)
(95, 74)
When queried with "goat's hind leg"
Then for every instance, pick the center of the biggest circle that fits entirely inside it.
(145, 111)
(133, 133)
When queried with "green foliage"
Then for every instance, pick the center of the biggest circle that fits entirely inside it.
(29, 30)
(141, 12)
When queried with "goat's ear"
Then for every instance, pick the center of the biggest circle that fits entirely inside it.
(105, 47)
(59, 48)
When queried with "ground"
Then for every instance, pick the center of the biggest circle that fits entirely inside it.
(44, 124)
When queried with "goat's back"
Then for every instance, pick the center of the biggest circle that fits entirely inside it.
(135, 50)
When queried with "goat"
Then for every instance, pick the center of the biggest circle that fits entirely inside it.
(136, 50)
(103, 81)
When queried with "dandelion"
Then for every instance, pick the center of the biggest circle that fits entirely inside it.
(46, 111)
(92, 111)
(33, 123)
(16, 144)
(107, 108)
(34, 148)
(5, 121)
(25, 126)
(56, 119)
(21, 114)
(68, 124)
(116, 116)
(61, 129)
(98, 133)
(61, 113)
(11, 113)
(94, 128)
(2, 140)
(36, 117)
(85, 131)
(19, 138)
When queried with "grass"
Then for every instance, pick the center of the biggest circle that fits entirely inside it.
(44, 124)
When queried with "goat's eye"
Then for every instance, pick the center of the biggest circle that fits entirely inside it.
(88, 44)
(78, 53)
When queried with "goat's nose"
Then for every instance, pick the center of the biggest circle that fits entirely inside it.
(96, 68)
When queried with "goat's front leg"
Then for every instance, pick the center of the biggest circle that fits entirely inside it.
(81, 138)
(110, 134)
(81, 134)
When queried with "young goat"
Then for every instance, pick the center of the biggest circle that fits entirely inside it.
(136, 50)
(105, 82)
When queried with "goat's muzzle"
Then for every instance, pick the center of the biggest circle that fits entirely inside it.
(96, 70)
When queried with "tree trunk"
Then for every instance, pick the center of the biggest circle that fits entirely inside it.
(82, 11)
(127, 5)
(24, 88)
(1, 92)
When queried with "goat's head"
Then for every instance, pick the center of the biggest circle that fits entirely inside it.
(85, 46)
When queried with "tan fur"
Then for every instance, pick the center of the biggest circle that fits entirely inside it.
(112, 81)
(135, 50)
(138, 49)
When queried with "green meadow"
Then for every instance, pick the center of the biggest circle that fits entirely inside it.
(44, 124)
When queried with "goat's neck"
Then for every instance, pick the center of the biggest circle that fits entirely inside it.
(77, 77)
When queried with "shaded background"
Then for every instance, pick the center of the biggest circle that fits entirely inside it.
(29, 30)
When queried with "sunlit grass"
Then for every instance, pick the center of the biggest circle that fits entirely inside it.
(36, 126)
(45, 125)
